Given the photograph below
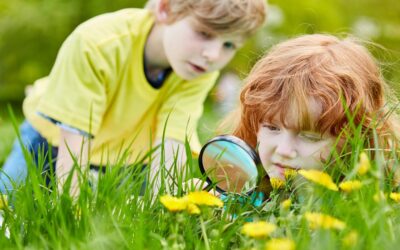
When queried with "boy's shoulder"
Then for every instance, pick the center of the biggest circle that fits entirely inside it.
(132, 21)
(120, 16)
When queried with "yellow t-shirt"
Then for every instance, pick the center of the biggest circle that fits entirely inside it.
(98, 85)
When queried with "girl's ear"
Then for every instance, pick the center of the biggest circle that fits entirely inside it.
(161, 11)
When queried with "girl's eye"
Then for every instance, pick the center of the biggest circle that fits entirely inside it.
(311, 137)
(229, 45)
(271, 127)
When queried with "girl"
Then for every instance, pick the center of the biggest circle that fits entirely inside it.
(306, 97)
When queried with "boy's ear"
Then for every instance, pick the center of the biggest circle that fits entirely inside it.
(161, 11)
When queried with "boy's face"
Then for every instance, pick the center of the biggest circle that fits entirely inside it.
(192, 49)
(282, 148)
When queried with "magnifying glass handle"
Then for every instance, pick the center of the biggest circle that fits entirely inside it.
(207, 188)
(214, 191)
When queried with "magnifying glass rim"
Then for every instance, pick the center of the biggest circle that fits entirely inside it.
(233, 139)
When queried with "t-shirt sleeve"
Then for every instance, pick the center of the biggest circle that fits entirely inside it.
(76, 91)
(183, 109)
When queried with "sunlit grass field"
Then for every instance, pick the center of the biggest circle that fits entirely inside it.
(7, 132)
(309, 211)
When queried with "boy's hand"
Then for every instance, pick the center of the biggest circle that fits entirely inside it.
(196, 184)
(173, 162)
(72, 147)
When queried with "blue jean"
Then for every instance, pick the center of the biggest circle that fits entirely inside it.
(15, 170)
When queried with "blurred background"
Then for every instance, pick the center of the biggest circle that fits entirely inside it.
(32, 31)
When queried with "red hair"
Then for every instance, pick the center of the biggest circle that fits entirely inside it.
(340, 75)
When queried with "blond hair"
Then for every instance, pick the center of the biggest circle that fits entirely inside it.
(340, 75)
(221, 16)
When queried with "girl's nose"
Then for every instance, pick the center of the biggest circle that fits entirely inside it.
(286, 147)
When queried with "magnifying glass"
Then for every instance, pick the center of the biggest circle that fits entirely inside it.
(230, 165)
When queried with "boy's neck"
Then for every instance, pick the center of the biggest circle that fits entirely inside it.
(154, 53)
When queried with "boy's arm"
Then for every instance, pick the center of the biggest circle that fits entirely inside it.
(72, 147)
(172, 158)
(177, 119)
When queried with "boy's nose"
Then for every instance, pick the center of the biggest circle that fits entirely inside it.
(212, 51)
(286, 148)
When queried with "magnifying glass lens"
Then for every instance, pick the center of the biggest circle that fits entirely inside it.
(229, 167)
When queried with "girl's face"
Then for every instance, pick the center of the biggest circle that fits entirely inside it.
(282, 148)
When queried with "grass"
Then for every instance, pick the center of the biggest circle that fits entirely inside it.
(7, 132)
(119, 215)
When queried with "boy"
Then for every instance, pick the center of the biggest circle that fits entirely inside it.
(120, 76)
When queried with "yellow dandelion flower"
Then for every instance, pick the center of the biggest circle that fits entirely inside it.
(286, 203)
(395, 197)
(174, 204)
(320, 178)
(364, 164)
(203, 198)
(280, 244)
(3, 201)
(318, 220)
(350, 239)
(290, 173)
(348, 186)
(277, 183)
(258, 229)
(193, 209)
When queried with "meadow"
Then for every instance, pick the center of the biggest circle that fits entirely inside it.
(353, 207)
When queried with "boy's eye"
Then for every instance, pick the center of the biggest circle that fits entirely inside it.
(205, 34)
(229, 45)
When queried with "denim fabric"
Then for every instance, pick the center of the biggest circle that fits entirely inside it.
(15, 171)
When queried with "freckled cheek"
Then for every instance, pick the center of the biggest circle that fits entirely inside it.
(265, 151)
(265, 159)
(322, 154)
